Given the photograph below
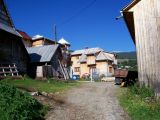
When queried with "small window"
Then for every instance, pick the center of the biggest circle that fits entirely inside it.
(77, 57)
(110, 69)
(77, 69)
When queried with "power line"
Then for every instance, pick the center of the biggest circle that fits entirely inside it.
(78, 13)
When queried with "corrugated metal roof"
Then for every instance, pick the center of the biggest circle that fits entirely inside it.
(83, 58)
(87, 51)
(9, 29)
(24, 35)
(105, 56)
(42, 53)
(63, 41)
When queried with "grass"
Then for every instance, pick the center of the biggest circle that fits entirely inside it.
(140, 103)
(50, 86)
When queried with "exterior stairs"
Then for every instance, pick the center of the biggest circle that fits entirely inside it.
(8, 70)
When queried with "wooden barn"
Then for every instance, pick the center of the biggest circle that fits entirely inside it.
(142, 18)
(46, 61)
(13, 55)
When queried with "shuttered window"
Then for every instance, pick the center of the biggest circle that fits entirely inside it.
(77, 69)
(110, 69)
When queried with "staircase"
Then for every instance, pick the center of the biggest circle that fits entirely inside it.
(64, 71)
(8, 70)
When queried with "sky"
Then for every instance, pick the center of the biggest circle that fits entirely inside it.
(83, 23)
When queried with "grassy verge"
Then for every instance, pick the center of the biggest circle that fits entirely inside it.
(140, 103)
(16, 105)
(50, 86)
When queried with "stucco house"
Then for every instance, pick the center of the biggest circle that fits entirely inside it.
(142, 18)
(92, 59)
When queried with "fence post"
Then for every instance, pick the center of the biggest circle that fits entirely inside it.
(91, 76)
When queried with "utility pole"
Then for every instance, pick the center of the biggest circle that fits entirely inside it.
(55, 33)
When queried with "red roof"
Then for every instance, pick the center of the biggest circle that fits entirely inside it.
(24, 35)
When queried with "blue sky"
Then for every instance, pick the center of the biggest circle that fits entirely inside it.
(92, 27)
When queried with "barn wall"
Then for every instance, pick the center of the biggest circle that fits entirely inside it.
(27, 43)
(12, 51)
(55, 64)
(147, 31)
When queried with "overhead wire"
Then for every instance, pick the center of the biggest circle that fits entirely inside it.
(78, 13)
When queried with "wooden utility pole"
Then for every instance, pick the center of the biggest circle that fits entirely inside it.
(55, 33)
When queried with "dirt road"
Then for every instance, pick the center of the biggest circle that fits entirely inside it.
(91, 101)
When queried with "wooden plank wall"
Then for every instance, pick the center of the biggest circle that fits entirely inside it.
(147, 31)
(13, 51)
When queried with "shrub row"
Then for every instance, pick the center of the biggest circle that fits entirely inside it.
(18, 105)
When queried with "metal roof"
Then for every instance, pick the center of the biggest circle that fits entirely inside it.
(105, 56)
(42, 53)
(87, 51)
(63, 41)
(9, 29)
(24, 35)
(83, 58)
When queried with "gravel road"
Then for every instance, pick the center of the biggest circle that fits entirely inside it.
(91, 101)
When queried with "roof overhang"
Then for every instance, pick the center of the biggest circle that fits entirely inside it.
(132, 4)
(9, 30)
(129, 18)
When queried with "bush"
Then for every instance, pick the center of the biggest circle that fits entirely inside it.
(16, 105)
(142, 91)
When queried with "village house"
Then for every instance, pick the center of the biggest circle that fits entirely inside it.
(14, 58)
(39, 40)
(27, 40)
(142, 18)
(95, 59)
(46, 61)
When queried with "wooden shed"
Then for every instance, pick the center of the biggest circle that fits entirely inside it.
(13, 55)
(46, 61)
(142, 18)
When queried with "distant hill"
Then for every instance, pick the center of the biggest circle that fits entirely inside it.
(126, 55)
(127, 60)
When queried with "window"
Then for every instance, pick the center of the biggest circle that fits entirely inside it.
(110, 69)
(77, 57)
(77, 69)
(93, 68)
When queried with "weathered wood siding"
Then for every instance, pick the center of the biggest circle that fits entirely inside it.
(13, 51)
(56, 69)
(147, 32)
(27, 43)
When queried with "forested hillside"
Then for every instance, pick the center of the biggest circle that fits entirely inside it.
(127, 60)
